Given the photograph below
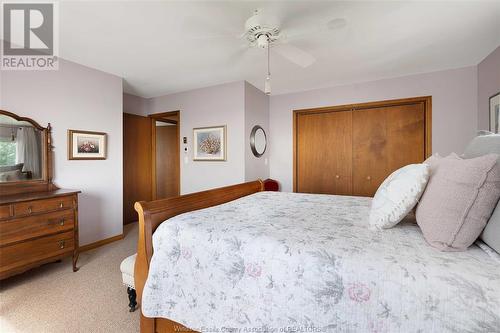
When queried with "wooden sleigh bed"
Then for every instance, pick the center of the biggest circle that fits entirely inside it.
(153, 213)
(301, 258)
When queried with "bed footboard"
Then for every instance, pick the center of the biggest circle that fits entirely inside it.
(153, 213)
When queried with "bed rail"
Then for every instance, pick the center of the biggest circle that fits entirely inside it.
(153, 213)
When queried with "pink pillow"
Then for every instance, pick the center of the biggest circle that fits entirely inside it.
(458, 201)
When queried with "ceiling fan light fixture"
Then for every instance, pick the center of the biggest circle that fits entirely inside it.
(263, 41)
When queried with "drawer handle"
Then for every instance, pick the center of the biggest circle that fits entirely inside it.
(62, 222)
(61, 205)
(30, 210)
(61, 244)
(337, 176)
(369, 178)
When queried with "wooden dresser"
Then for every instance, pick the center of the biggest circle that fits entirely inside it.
(38, 221)
(36, 228)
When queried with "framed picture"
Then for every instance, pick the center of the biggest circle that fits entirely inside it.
(495, 113)
(209, 143)
(85, 145)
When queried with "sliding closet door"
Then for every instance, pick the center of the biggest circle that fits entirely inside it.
(385, 139)
(323, 154)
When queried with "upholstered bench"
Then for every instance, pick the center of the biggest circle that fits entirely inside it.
(127, 268)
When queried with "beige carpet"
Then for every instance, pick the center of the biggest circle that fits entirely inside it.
(53, 299)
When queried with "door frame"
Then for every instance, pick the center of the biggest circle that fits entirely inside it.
(160, 117)
(426, 100)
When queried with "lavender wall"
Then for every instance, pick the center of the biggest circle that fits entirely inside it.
(239, 106)
(256, 113)
(77, 97)
(212, 106)
(488, 84)
(454, 111)
(134, 104)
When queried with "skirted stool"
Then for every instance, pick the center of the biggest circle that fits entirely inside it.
(127, 268)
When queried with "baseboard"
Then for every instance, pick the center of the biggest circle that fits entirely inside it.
(102, 242)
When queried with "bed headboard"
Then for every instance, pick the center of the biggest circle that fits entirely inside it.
(487, 143)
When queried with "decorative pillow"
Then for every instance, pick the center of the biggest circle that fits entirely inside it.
(458, 201)
(433, 161)
(397, 195)
(487, 143)
(483, 145)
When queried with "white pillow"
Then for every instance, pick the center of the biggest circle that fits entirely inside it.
(397, 195)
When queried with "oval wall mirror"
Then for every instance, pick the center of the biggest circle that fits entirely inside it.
(258, 141)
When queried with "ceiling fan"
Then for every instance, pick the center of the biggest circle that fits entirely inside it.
(263, 30)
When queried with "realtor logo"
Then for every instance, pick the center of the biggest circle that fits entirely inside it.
(29, 36)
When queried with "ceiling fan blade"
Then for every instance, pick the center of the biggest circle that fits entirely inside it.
(336, 23)
(295, 55)
(314, 29)
(302, 14)
(239, 55)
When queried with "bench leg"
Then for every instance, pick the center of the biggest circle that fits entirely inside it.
(132, 299)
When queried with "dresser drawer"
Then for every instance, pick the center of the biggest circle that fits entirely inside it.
(4, 212)
(42, 206)
(28, 252)
(35, 226)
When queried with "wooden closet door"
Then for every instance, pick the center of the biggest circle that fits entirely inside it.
(384, 140)
(324, 152)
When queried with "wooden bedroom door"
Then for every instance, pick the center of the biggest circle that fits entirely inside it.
(384, 140)
(324, 153)
(136, 163)
(166, 155)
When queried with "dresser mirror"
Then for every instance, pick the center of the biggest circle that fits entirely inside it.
(24, 155)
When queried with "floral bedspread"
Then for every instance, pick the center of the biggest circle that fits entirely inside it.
(285, 262)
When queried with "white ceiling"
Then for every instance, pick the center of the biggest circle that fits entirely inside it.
(169, 46)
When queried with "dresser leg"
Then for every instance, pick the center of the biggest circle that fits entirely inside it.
(75, 259)
(132, 299)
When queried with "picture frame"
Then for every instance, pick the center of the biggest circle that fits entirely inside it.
(209, 143)
(495, 113)
(86, 145)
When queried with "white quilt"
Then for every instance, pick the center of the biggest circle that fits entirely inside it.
(279, 262)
